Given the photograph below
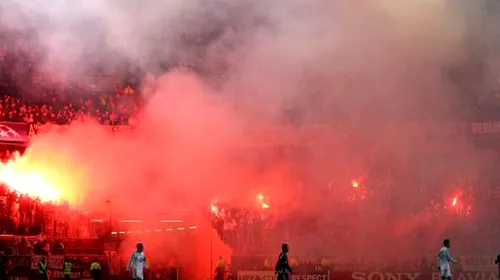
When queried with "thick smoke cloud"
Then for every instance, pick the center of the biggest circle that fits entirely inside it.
(254, 64)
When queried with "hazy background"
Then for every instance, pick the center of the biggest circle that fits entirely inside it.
(217, 69)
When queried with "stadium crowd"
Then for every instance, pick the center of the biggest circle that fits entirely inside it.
(31, 94)
(24, 215)
(19, 213)
(62, 103)
(244, 229)
(62, 108)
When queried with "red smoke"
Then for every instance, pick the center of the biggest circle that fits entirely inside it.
(183, 151)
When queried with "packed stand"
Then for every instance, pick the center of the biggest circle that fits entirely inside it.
(32, 95)
(19, 213)
(25, 215)
(459, 204)
(107, 109)
(242, 229)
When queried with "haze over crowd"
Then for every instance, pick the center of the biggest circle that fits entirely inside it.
(215, 70)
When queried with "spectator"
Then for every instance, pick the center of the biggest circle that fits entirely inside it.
(45, 248)
(220, 271)
(59, 248)
(23, 247)
(95, 269)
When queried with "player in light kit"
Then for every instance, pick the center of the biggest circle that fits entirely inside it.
(444, 260)
(138, 262)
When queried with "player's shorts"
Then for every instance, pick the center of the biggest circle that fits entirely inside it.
(445, 271)
(283, 276)
(138, 275)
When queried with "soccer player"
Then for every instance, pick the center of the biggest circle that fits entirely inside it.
(444, 260)
(138, 262)
(282, 267)
(497, 261)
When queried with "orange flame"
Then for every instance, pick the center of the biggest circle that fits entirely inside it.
(37, 180)
(454, 202)
(265, 205)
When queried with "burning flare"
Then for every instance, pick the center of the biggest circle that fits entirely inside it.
(42, 181)
(355, 183)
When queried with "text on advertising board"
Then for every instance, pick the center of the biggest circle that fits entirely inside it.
(269, 275)
(485, 128)
(421, 276)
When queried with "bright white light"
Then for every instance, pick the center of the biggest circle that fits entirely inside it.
(171, 221)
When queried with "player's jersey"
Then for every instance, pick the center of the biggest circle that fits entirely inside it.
(137, 261)
(444, 257)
